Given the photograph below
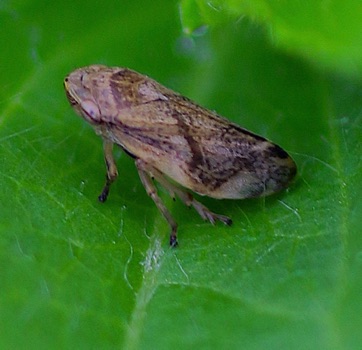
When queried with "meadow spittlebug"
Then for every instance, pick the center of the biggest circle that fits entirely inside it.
(172, 138)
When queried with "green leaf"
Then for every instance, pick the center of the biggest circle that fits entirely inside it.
(76, 273)
(328, 33)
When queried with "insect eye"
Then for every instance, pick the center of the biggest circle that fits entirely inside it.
(90, 111)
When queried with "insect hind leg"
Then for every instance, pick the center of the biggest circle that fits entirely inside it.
(188, 199)
(202, 210)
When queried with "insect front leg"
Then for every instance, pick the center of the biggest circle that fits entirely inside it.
(143, 171)
(112, 171)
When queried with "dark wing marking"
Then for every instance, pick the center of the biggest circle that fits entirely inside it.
(212, 149)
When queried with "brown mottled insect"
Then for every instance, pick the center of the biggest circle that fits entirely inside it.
(171, 137)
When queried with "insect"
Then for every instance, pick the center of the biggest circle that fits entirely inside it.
(175, 141)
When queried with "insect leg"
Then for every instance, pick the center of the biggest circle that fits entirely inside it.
(187, 198)
(143, 171)
(203, 211)
(112, 171)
